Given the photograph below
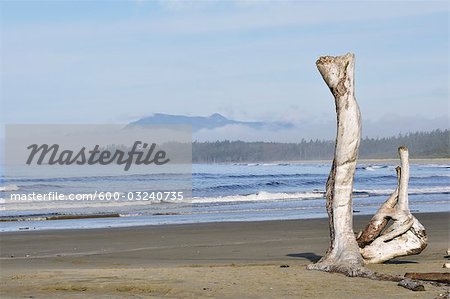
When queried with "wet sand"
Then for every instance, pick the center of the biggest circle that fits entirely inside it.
(221, 260)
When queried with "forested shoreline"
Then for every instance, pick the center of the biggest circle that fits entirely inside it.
(434, 144)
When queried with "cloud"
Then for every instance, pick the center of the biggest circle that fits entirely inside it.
(196, 17)
(386, 126)
(391, 125)
(250, 59)
(239, 132)
(273, 14)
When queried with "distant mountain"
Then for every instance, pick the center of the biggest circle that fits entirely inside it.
(206, 122)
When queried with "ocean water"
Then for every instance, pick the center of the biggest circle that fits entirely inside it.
(220, 192)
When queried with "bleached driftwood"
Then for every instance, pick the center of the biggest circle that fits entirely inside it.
(406, 235)
(347, 254)
(411, 285)
(343, 254)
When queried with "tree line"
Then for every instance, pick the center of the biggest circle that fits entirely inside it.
(434, 144)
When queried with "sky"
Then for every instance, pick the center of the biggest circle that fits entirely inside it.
(117, 61)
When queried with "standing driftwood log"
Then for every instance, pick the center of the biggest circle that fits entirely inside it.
(343, 253)
(405, 236)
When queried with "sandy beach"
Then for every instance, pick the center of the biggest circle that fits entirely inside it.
(214, 260)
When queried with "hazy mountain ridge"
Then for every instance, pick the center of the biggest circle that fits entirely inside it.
(213, 121)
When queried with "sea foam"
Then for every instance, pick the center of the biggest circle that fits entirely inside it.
(9, 188)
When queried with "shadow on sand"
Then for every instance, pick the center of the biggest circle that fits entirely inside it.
(312, 257)
(396, 262)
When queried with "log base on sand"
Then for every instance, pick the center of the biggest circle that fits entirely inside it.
(377, 243)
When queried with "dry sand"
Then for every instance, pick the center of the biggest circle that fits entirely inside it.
(213, 260)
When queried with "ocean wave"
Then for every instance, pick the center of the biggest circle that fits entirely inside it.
(8, 205)
(259, 196)
(435, 165)
(261, 164)
(372, 167)
(440, 176)
(415, 177)
(225, 187)
(411, 191)
(316, 194)
(281, 175)
(119, 178)
(9, 188)
(57, 216)
(253, 183)
(275, 183)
